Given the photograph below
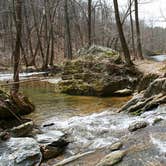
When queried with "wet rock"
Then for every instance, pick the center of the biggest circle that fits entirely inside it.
(52, 143)
(4, 136)
(157, 120)
(116, 146)
(22, 130)
(137, 125)
(112, 159)
(123, 92)
(20, 151)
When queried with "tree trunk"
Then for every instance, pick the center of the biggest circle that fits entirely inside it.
(139, 46)
(16, 53)
(132, 31)
(89, 22)
(68, 46)
(121, 35)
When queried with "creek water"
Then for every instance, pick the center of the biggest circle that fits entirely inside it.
(93, 123)
(158, 58)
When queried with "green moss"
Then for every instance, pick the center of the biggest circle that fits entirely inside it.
(137, 113)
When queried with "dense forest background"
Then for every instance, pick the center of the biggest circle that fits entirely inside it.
(44, 25)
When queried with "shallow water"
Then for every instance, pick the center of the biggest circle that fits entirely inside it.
(158, 58)
(99, 129)
(50, 104)
(5, 76)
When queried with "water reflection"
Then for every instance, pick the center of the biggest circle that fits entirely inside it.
(49, 104)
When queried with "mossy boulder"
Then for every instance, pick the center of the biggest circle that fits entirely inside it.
(98, 74)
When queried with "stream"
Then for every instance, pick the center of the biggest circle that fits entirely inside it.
(93, 123)
(157, 58)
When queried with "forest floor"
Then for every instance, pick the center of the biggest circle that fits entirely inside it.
(149, 66)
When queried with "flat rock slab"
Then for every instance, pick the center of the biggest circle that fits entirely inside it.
(20, 152)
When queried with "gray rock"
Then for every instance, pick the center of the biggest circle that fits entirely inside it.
(112, 159)
(20, 152)
(157, 120)
(116, 146)
(137, 125)
(49, 137)
(156, 87)
(52, 143)
(22, 130)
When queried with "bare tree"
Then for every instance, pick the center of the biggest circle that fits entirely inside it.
(16, 53)
(139, 46)
(132, 29)
(89, 22)
(68, 45)
(121, 35)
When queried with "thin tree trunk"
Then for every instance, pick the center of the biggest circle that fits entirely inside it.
(16, 53)
(139, 46)
(37, 30)
(89, 22)
(121, 35)
(68, 46)
(132, 30)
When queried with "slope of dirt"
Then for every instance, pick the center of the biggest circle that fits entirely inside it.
(151, 67)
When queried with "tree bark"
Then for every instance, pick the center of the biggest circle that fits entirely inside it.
(132, 30)
(121, 35)
(68, 45)
(16, 53)
(89, 22)
(139, 46)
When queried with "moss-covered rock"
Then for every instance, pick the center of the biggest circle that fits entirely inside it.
(97, 74)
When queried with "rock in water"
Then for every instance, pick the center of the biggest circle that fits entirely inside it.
(137, 125)
(115, 146)
(52, 143)
(112, 159)
(20, 152)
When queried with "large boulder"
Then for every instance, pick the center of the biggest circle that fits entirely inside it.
(11, 105)
(20, 151)
(98, 73)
